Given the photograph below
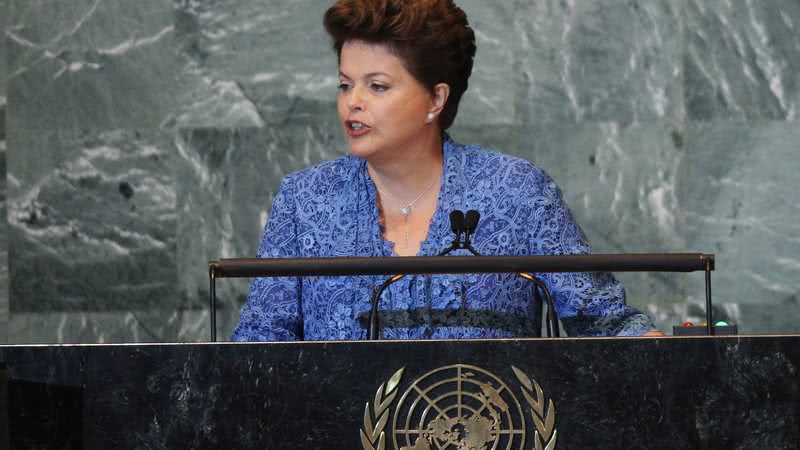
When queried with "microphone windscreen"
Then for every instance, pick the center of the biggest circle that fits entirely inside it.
(457, 221)
(471, 221)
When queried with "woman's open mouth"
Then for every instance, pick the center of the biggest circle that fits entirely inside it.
(355, 128)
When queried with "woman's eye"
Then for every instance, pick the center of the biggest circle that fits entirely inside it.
(379, 87)
(344, 86)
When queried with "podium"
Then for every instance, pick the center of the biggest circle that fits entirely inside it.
(573, 393)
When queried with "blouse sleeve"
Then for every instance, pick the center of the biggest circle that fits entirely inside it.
(588, 304)
(272, 309)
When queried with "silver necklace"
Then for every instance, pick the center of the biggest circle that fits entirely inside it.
(405, 210)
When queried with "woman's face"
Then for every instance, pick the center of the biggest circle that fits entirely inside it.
(382, 107)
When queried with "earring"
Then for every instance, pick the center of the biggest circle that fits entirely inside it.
(431, 116)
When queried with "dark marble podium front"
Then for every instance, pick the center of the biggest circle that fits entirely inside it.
(676, 393)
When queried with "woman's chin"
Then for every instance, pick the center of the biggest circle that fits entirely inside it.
(360, 149)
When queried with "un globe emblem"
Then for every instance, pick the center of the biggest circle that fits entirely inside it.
(459, 407)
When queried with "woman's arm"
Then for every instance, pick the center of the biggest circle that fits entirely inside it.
(272, 311)
(588, 304)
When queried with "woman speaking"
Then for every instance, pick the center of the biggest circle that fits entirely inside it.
(403, 67)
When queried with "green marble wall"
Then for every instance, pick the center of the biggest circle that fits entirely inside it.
(145, 137)
(3, 225)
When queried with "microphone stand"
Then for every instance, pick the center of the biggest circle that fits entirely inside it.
(457, 225)
(553, 329)
(373, 312)
(552, 321)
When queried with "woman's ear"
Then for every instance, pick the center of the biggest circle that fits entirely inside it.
(441, 92)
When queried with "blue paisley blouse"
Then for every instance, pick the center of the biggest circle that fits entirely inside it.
(331, 210)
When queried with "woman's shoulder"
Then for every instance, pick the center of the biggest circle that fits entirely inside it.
(486, 163)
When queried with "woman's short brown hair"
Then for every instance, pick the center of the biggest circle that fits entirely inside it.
(432, 37)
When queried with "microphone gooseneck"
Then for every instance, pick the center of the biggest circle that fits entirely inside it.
(552, 320)
(461, 224)
(458, 228)
(373, 312)
(470, 225)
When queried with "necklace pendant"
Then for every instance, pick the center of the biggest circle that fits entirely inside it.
(405, 210)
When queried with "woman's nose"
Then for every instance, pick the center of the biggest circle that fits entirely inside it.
(356, 99)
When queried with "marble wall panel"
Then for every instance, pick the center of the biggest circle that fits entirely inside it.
(88, 64)
(228, 178)
(4, 307)
(3, 15)
(623, 184)
(606, 60)
(169, 325)
(742, 59)
(490, 97)
(500, 138)
(247, 63)
(91, 221)
(743, 205)
(3, 231)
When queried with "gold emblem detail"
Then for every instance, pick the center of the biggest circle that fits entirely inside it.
(459, 407)
(372, 436)
(545, 421)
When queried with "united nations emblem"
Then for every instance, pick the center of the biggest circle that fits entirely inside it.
(459, 407)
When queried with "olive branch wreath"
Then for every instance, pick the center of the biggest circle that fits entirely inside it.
(544, 420)
(373, 436)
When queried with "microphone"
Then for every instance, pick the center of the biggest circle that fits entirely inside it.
(471, 221)
(470, 224)
(457, 225)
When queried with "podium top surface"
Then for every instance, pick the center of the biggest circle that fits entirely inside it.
(741, 337)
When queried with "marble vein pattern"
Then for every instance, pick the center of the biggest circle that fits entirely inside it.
(500, 138)
(3, 56)
(249, 63)
(90, 64)
(167, 325)
(92, 221)
(228, 179)
(743, 59)
(3, 225)
(4, 306)
(489, 100)
(743, 205)
(623, 184)
(605, 60)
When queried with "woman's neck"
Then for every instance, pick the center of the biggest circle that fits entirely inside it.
(409, 170)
